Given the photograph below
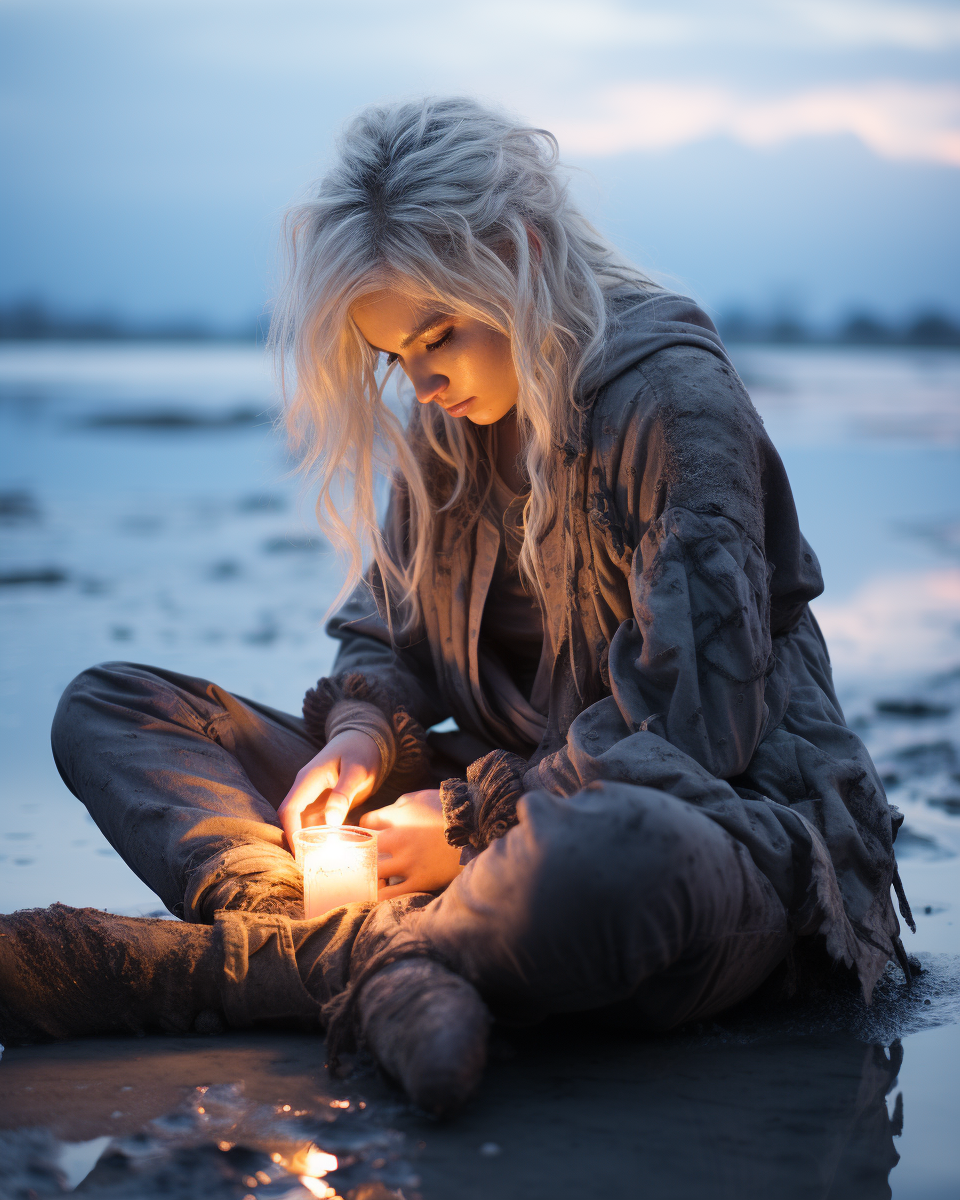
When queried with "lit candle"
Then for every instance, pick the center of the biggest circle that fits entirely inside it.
(339, 864)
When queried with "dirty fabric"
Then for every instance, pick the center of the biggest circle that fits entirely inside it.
(678, 643)
(618, 898)
(184, 780)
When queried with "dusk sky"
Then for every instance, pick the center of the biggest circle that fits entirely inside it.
(773, 154)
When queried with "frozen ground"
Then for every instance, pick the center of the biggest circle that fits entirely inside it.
(147, 513)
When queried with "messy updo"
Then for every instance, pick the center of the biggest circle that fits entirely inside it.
(455, 204)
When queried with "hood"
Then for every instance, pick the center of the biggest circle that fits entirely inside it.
(643, 323)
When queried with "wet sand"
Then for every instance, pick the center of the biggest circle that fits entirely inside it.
(140, 518)
(811, 1101)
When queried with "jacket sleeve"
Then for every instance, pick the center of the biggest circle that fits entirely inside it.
(697, 485)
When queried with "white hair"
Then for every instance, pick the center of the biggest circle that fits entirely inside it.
(455, 204)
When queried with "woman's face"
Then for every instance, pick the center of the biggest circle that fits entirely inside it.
(456, 362)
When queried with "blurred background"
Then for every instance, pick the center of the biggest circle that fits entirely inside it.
(789, 162)
(792, 164)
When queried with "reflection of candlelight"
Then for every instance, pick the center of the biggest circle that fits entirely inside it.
(339, 864)
(318, 1189)
(310, 1164)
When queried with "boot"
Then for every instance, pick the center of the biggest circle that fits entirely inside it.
(72, 972)
(427, 1028)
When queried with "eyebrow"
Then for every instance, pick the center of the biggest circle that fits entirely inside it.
(433, 319)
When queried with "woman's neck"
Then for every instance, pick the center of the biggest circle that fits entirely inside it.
(508, 452)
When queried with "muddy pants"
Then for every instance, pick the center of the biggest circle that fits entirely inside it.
(619, 897)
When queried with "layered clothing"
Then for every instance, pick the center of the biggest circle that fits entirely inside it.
(679, 652)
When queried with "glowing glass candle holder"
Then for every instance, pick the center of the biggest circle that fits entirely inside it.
(339, 864)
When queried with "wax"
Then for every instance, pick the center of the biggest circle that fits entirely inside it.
(339, 864)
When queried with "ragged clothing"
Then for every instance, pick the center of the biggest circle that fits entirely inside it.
(679, 652)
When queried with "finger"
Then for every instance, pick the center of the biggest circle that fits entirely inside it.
(355, 781)
(352, 785)
(309, 784)
(302, 794)
(390, 842)
(337, 807)
(399, 889)
(377, 818)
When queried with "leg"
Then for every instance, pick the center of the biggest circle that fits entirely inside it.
(67, 972)
(184, 780)
(619, 897)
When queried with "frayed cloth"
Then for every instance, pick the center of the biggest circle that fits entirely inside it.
(483, 807)
(411, 756)
(341, 1017)
(252, 876)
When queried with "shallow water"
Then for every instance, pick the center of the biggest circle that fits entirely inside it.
(148, 513)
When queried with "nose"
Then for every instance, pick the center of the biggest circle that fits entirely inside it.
(428, 386)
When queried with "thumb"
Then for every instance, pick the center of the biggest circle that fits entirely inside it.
(338, 805)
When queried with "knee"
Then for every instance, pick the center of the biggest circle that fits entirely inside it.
(613, 839)
(92, 690)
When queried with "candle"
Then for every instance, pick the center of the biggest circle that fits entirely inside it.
(339, 864)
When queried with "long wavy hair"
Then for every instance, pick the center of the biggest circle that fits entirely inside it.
(457, 205)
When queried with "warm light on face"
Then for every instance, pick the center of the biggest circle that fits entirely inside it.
(452, 360)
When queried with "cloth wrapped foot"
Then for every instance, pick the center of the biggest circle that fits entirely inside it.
(427, 1028)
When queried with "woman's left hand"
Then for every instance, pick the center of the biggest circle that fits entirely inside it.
(411, 845)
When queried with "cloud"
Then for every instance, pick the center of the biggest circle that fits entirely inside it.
(817, 24)
(895, 119)
(894, 625)
(866, 23)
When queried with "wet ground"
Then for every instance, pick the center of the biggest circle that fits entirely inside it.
(146, 513)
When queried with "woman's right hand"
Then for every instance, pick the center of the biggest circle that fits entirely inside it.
(347, 767)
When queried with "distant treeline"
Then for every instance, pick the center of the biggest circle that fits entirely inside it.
(31, 320)
(930, 328)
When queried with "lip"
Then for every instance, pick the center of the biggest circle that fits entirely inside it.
(458, 410)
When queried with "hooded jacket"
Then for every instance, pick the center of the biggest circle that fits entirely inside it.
(683, 654)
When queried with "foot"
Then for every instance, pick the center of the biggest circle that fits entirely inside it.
(427, 1028)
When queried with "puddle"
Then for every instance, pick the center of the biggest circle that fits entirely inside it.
(217, 1144)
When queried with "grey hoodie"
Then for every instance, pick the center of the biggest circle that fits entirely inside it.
(683, 654)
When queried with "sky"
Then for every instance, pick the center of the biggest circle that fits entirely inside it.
(797, 156)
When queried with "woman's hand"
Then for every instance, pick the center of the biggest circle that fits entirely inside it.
(412, 846)
(347, 768)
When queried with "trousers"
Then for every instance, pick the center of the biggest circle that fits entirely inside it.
(619, 898)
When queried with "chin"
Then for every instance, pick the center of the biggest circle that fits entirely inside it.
(488, 417)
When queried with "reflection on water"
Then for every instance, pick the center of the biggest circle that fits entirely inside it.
(710, 1115)
(217, 1144)
(805, 1118)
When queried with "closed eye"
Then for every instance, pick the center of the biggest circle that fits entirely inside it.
(442, 341)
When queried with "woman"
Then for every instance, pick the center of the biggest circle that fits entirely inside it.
(591, 561)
